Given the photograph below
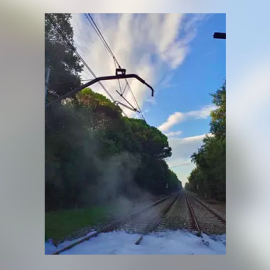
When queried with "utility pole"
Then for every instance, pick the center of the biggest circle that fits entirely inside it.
(47, 76)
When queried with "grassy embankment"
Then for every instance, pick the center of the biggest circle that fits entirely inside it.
(59, 224)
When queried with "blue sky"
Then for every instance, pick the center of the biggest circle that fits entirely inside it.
(177, 55)
(201, 73)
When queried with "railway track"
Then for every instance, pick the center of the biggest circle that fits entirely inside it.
(152, 214)
(197, 209)
(194, 225)
(158, 219)
(210, 210)
(158, 216)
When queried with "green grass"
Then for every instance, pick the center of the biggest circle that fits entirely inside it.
(61, 223)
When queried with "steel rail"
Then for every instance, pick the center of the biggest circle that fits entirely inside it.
(210, 210)
(113, 225)
(158, 220)
(193, 218)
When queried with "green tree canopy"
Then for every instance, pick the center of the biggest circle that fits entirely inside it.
(63, 62)
(218, 123)
(93, 153)
(93, 136)
(209, 176)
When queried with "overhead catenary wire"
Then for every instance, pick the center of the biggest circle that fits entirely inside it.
(60, 32)
(55, 83)
(95, 27)
(125, 88)
(136, 101)
(104, 78)
(118, 79)
(76, 52)
(93, 24)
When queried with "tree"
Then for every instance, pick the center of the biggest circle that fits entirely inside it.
(218, 123)
(63, 62)
(90, 147)
(209, 176)
(173, 183)
(187, 186)
(95, 147)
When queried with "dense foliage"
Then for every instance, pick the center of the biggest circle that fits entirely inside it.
(93, 154)
(209, 176)
(61, 59)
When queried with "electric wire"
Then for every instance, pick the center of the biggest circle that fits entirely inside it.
(95, 27)
(83, 61)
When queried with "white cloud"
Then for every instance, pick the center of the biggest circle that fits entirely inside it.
(192, 139)
(182, 149)
(178, 117)
(166, 27)
(145, 44)
(151, 100)
(146, 110)
(171, 121)
(175, 55)
(191, 24)
(166, 82)
(203, 113)
(172, 134)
